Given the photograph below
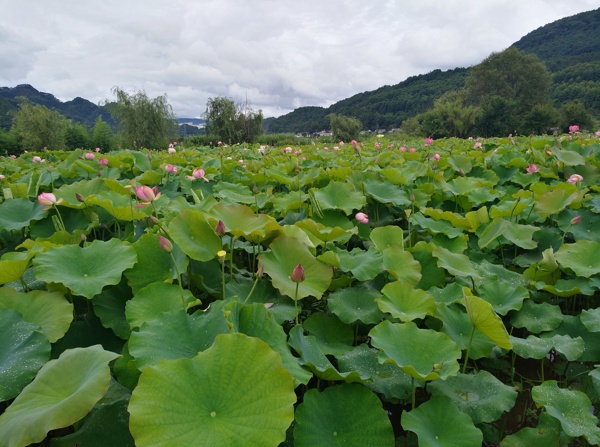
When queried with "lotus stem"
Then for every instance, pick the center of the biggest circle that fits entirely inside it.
(468, 350)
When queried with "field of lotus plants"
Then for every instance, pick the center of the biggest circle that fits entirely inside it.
(389, 292)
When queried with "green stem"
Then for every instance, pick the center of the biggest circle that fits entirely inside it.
(252, 289)
(62, 223)
(412, 384)
(296, 302)
(468, 350)
(223, 277)
(179, 282)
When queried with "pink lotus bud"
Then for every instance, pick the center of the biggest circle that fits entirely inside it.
(171, 169)
(165, 244)
(575, 220)
(171, 150)
(260, 272)
(298, 274)
(36, 159)
(47, 199)
(574, 128)
(220, 228)
(532, 168)
(103, 161)
(89, 156)
(79, 197)
(402, 148)
(147, 194)
(97, 149)
(153, 219)
(412, 149)
(575, 178)
(428, 141)
(362, 218)
(435, 157)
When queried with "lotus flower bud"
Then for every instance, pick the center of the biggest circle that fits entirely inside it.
(575, 220)
(47, 199)
(220, 228)
(79, 197)
(165, 244)
(298, 274)
(362, 218)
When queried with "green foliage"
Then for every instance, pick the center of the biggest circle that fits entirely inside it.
(575, 113)
(143, 122)
(102, 136)
(450, 117)
(39, 127)
(344, 128)
(76, 137)
(232, 123)
(9, 143)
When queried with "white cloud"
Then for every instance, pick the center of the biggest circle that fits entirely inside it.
(279, 55)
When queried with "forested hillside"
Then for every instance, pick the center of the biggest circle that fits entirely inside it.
(569, 47)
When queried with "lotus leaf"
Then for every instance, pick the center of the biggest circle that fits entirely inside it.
(342, 415)
(538, 348)
(339, 195)
(485, 320)
(405, 302)
(402, 265)
(86, 271)
(63, 392)
(554, 201)
(354, 303)
(439, 423)
(546, 433)
(236, 393)
(194, 235)
(583, 257)
(537, 317)
(456, 264)
(16, 214)
(364, 265)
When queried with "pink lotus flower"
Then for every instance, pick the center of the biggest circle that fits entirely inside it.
(171, 169)
(574, 128)
(97, 149)
(597, 134)
(197, 175)
(435, 157)
(89, 156)
(298, 274)
(2, 177)
(575, 178)
(428, 141)
(376, 145)
(103, 161)
(287, 150)
(48, 199)
(532, 168)
(403, 149)
(478, 145)
(362, 218)
(147, 194)
(171, 150)
(412, 149)
(37, 159)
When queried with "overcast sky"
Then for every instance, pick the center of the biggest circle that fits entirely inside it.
(279, 54)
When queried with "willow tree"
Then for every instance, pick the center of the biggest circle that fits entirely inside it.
(143, 122)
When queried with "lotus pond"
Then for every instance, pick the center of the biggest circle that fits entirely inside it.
(384, 293)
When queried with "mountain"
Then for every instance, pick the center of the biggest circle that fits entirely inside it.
(569, 47)
(79, 110)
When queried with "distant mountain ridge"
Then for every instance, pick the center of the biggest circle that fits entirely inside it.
(570, 48)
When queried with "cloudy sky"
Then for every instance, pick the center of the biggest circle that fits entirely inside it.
(279, 54)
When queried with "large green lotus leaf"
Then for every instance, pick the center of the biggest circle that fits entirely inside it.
(87, 188)
(464, 185)
(107, 423)
(125, 370)
(355, 303)
(422, 353)
(109, 306)
(519, 234)
(175, 335)
(342, 415)
(23, 351)
(456, 219)
(339, 196)
(583, 257)
(321, 231)
(63, 392)
(485, 320)
(153, 263)
(405, 302)
(384, 192)
(537, 348)
(388, 236)
(383, 378)
(456, 264)
(586, 228)
(13, 265)
(279, 263)
(503, 296)
(554, 201)
(571, 287)
(364, 265)
(460, 163)
(495, 229)
(256, 321)
(293, 200)
(154, 299)
(333, 336)
(118, 205)
(595, 376)
(569, 158)
(86, 271)
(571, 407)
(572, 326)
(233, 192)
(537, 317)
(450, 293)
(308, 347)
(241, 220)
(547, 433)
(16, 214)
(436, 226)
(591, 319)
(481, 395)
(194, 235)
(402, 265)
(236, 393)
(49, 310)
(458, 326)
(439, 423)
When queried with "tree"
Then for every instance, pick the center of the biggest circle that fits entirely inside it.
(513, 76)
(540, 119)
(143, 122)
(38, 127)
(344, 128)
(232, 123)
(575, 113)
(76, 136)
(102, 135)
(450, 117)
